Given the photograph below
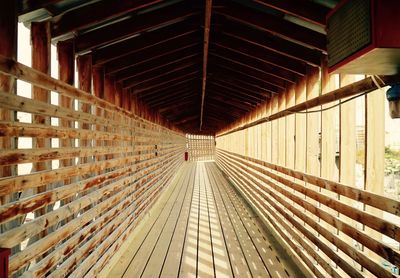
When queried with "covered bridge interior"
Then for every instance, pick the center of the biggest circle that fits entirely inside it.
(293, 160)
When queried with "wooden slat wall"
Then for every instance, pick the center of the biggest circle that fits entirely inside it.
(117, 166)
(327, 223)
(200, 147)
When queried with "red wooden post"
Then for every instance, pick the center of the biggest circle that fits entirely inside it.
(4, 255)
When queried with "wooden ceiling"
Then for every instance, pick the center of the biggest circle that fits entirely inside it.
(157, 50)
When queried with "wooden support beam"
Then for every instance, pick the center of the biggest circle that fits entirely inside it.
(264, 55)
(152, 54)
(66, 73)
(247, 69)
(28, 6)
(359, 87)
(237, 87)
(8, 45)
(272, 43)
(158, 91)
(223, 100)
(244, 98)
(109, 89)
(162, 72)
(8, 48)
(143, 41)
(118, 94)
(183, 102)
(207, 24)
(174, 96)
(252, 82)
(94, 13)
(172, 102)
(40, 38)
(185, 55)
(134, 25)
(274, 25)
(175, 90)
(260, 69)
(185, 120)
(183, 78)
(84, 65)
(98, 82)
(306, 10)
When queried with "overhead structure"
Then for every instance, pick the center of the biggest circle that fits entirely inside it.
(228, 55)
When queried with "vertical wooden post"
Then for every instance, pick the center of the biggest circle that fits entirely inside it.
(312, 136)
(375, 153)
(268, 132)
(329, 122)
(348, 152)
(290, 129)
(84, 64)
(98, 91)
(118, 94)
(275, 130)
(109, 95)
(282, 131)
(40, 37)
(8, 45)
(66, 72)
(301, 129)
(347, 137)
(8, 48)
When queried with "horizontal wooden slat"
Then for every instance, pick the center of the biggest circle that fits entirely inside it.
(251, 173)
(23, 182)
(369, 198)
(29, 204)
(41, 246)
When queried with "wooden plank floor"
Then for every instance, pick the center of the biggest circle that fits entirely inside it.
(203, 229)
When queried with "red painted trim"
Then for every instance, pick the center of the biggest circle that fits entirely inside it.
(4, 255)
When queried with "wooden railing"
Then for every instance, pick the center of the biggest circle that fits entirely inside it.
(200, 147)
(79, 214)
(306, 219)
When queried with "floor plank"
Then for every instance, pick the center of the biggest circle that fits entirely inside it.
(139, 261)
(155, 264)
(203, 229)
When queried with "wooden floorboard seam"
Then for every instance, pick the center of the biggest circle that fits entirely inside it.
(154, 223)
(204, 229)
(186, 177)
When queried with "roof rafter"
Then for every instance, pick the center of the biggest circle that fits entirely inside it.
(207, 24)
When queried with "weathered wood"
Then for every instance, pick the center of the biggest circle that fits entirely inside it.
(365, 238)
(279, 225)
(84, 67)
(131, 26)
(8, 48)
(312, 12)
(359, 87)
(367, 197)
(40, 37)
(273, 43)
(362, 258)
(90, 214)
(375, 152)
(275, 25)
(207, 25)
(66, 72)
(92, 14)
(20, 71)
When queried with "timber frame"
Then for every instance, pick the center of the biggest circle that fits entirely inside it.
(241, 82)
